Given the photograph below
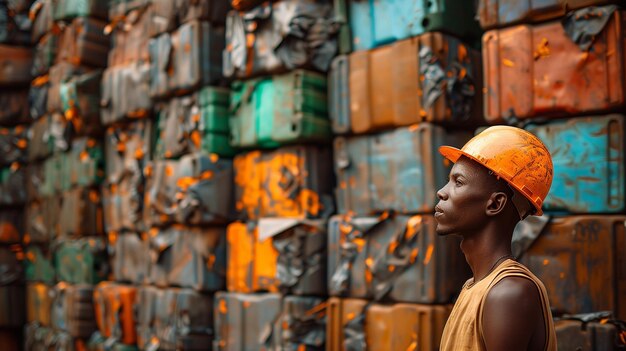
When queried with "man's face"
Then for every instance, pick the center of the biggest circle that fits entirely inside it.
(463, 200)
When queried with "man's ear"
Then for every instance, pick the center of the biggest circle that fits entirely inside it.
(496, 203)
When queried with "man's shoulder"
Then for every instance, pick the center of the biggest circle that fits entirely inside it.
(513, 289)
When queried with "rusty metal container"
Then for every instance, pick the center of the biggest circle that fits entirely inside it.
(290, 182)
(581, 254)
(588, 158)
(125, 93)
(400, 170)
(393, 258)
(15, 64)
(188, 257)
(345, 324)
(131, 257)
(114, 311)
(542, 71)
(590, 333)
(405, 326)
(244, 322)
(81, 214)
(502, 13)
(14, 145)
(12, 225)
(39, 303)
(84, 43)
(302, 324)
(430, 78)
(277, 254)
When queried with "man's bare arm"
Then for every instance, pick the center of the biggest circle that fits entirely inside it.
(510, 315)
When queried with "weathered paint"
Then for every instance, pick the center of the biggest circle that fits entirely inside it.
(84, 43)
(68, 9)
(15, 64)
(393, 258)
(420, 328)
(291, 182)
(582, 254)
(588, 158)
(502, 13)
(38, 265)
(375, 23)
(245, 322)
(288, 108)
(302, 324)
(80, 99)
(439, 79)
(537, 70)
(38, 303)
(194, 123)
(345, 324)
(251, 263)
(399, 170)
(589, 336)
(82, 261)
(188, 58)
(81, 214)
(125, 93)
(131, 259)
(114, 313)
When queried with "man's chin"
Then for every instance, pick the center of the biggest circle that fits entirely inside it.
(442, 231)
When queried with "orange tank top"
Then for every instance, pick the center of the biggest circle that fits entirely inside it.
(464, 331)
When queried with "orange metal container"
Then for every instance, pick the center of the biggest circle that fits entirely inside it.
(539, 70)
(38, 303)
(345, 325)
(251, 262)
(114, 311)
(580, 260)
(433, 77)
(405, 326)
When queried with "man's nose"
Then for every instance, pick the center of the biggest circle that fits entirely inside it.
(442, 195)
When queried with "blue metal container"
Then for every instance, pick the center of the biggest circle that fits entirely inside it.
(399, 170)
(588, 158)
(378, 22)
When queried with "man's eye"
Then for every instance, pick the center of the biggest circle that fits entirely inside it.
(458, 182)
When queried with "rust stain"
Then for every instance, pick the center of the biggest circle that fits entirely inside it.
(508, 63)
(429, 254)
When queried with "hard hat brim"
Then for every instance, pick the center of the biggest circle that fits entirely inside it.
(453, 154)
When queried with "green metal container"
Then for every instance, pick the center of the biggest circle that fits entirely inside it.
(272, 111)
(82, 261)
(38, 266)
(195, 123)
(68, 9)
(83, 164)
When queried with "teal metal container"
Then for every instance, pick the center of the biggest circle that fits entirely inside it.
(272, 111)
(82, 261)
(68, 9)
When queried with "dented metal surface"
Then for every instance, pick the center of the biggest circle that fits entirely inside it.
(289, 256)
(196, 190)
(47, 135)
(588, 158)
(130, 257)
(421, 327)
(279, 36)
(114, 312)
(302, 324)
(598, 334)
(501, 13)
(376, 23)
(15, 24)
(80, 102)
(291, 182)
(40, 14)
(174, 319)
(581, 254)
(73, 310)
(81, 214)
(125, 93)
(271, 111)
(83, 43)
(399, 170)
(83, 165)
(539, 71)
(246, 322)
(188, 257)
(194, 123)
(44, 54)
(81, 261)
(439, 80)
(13, 145)
(393, 258)
(345, 326)
(188, 58)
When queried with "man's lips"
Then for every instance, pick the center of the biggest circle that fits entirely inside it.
(438, 211)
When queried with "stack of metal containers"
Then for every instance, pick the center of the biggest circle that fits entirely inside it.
(411, 84)
(278, 53)
(16, 59)
(559, 72)
(65, 236)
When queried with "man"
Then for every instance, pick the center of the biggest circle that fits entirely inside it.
(499, 177)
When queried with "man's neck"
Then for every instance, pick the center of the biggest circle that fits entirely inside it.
(483, 250)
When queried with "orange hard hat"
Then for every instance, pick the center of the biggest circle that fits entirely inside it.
(513, 154)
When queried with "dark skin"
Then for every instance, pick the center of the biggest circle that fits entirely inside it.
(477, 206)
